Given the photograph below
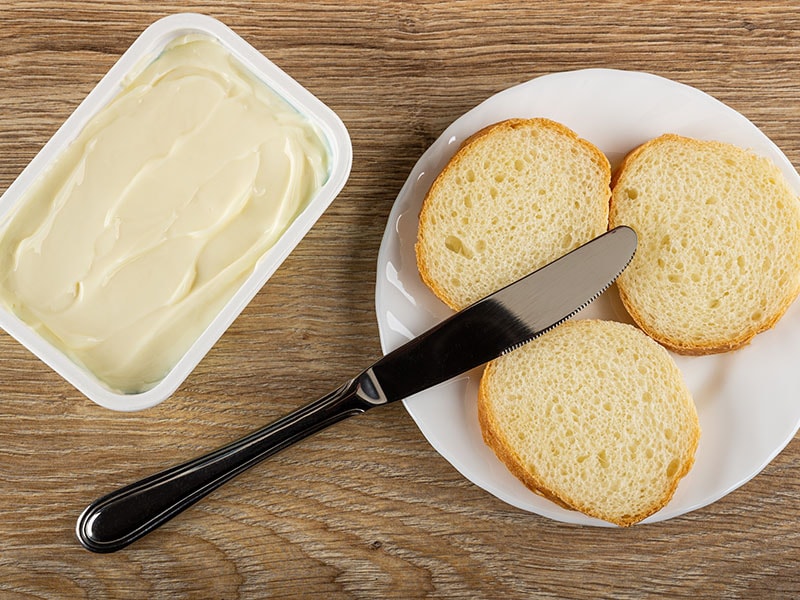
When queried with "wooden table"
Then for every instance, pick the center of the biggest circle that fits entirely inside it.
(366, 509)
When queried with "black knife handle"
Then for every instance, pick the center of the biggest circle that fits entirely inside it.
(121, 517)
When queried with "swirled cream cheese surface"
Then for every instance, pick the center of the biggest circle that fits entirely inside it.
(127, 247)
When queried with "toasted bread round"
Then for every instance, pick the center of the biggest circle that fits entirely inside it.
(515, 196)
(595, 416)
(719, 243)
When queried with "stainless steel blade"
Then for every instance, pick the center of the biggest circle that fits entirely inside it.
(504, 320)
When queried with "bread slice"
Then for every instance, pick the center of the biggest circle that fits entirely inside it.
(593, 415)
(515, 196)
(719, 242)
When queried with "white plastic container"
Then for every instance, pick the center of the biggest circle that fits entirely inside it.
(146, 48)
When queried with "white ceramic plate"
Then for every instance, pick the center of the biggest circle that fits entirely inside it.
(747, 400)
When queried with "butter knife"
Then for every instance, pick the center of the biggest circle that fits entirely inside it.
(475, 335)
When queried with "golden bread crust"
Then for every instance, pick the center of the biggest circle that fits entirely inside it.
(705, 193)
(430, 248)
(497, 432)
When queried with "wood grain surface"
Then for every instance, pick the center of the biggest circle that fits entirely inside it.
(366, 509)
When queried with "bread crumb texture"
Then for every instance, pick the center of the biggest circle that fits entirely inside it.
(594, 415)
(517, 195)
(719, 242)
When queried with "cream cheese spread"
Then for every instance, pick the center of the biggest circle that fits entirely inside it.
(125, 249)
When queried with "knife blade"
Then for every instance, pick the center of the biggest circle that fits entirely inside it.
(499, 323)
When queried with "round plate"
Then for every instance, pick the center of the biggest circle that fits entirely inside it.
(746, 400)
